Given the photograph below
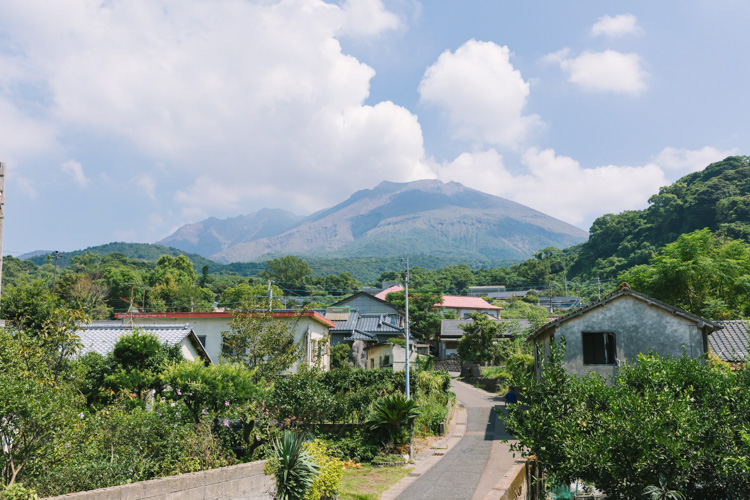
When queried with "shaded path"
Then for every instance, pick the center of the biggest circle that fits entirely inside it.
(477, 462)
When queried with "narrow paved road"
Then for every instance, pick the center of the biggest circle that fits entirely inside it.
(471, 468)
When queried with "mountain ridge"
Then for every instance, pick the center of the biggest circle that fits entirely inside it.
(425, 216)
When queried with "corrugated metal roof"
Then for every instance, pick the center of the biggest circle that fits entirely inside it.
(731, 342)
(101, 338)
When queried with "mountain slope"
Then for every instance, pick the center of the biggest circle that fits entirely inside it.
(215, 235)
(427, 217)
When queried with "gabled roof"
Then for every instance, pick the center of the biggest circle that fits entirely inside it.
(358, 335)
(374, 298)
(624, 291)
(395, 288)
(369, 324)
(731, 342)
(101, 336)
(454, 301)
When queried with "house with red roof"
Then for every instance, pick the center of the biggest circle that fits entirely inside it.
(464, 306)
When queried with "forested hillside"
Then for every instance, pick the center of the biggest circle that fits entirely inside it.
(717, 198)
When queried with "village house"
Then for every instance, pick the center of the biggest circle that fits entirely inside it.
(101, 337)
(451, 332)
(601, 336)
(463, 307)
(390, 356)
(311, 329)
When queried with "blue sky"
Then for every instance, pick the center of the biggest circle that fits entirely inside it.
(121, 120)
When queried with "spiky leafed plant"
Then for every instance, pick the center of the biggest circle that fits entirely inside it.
(393, 415)
(662, 492)
(296, 467)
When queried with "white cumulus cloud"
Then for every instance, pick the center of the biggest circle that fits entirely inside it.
(75, 170)
(608, 71)
(558, 185)
(255, 95)
(481, 93)
(616, 26)
(685, 161)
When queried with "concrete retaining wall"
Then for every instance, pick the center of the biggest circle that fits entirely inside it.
(245, 481)
(513, 486)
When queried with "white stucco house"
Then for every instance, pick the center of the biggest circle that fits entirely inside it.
(601, 336)
(390, 356)
(311, 329)
(101, 337)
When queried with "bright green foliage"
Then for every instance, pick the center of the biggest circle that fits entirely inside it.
(433, 399)
(340, 355)
(328, 481)
(210, 389)
(424, 318)
(676, 418)
(137, 361)
(700, 272)
(303, 399)
(392, 417)
(662, 492)
(27, 305)
(258, 340)
(243, 293)
(120, 445)
(294, 467)
(478, 343)
(17, 491)
(173, 287)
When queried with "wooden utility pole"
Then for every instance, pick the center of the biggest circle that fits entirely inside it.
(2, 217)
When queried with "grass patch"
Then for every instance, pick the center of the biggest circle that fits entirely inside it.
(369, 482)
(495, 372)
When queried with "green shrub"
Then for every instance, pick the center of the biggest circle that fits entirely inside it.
(432, 411)
(355, 445)
(210, 389)
(326, 484)
(340, 356)
(17, 491)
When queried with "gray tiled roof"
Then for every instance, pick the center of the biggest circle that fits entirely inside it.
(101, 337)
(358, 335)
(369, 323)
(731, 342)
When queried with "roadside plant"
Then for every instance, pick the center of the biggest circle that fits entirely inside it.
(393, 417)
(662, 492)
(294, 467)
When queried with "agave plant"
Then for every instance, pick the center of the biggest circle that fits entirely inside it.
(662, 492)
(393, 415)
(296, 467)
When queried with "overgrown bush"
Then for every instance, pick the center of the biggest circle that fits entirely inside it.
(676, 418)
(392, 419)
(356, 445)
(328, 480)
(17, 491)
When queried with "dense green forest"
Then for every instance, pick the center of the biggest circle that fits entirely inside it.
(716, 200)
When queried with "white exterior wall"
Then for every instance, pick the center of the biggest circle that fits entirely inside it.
(396, 353)
(212, 327)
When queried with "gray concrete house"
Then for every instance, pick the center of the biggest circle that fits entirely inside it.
(617, 328)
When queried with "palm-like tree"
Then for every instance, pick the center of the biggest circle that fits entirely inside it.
(394, 415)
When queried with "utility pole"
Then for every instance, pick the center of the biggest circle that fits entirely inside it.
(54, 276)
(406, 330)
(2, 217)
(599, 287)
(270, 296)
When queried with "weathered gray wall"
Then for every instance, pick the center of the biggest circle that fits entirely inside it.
(638, 327)
(245, 481)
(367, 305)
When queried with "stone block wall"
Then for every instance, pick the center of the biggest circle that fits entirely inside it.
(245, 481)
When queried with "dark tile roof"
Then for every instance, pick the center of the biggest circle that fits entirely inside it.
(369, 323)
(357, 335)
(623, 290)
(731, 342)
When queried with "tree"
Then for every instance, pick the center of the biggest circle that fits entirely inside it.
(423, 317)
(704, 274)
(479, 342)
(259, 340)
(244, 293)
(28, 305)
(289, 272)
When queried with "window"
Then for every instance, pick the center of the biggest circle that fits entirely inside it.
(202, 339)
(599, 348)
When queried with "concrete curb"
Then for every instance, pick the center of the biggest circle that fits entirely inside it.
(454, 434)
(512, 486)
